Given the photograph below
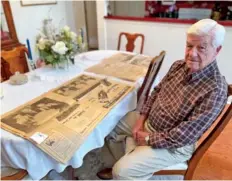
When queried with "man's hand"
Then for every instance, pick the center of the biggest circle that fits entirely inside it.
(138, 126)
(140, 138)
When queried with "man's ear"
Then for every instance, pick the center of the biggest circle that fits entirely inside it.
(218, 49)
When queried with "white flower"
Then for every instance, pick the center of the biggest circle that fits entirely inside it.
(66, 28)
(60, 48)
(42, 43)
(73, 35)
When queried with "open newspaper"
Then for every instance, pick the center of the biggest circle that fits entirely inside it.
(59, 121)
(124, 66)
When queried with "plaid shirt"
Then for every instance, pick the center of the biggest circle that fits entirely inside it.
(183, 106)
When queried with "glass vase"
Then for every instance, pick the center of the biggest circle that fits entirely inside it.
(63, 65)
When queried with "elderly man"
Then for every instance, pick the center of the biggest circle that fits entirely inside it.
(179, 110)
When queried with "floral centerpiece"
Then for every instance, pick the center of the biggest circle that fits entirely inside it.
(57, 49)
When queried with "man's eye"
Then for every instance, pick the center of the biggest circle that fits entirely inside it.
(201, 48)
(189, 46)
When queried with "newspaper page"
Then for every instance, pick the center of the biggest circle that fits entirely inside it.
(141, 60)
(93, 107)
(130, 68)
(59, 121)
(118, 57)
(26, 119)
(61, 142)
(77, 87)
(120, 70)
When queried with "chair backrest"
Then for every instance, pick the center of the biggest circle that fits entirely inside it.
(151, 74)
(210, 136)
(16, 60)
(130, 41)
(5, 70)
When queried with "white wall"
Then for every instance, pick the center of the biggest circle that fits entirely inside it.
(160, 36)
(28, 19)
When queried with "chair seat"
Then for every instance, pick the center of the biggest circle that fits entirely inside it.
(12, 173)
(106, 174)
(179, 166)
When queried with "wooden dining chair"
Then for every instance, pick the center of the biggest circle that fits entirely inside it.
(149, 79)
(15, 60)
(5, 72)
(204, 143)
(17, 175)
(130, 41)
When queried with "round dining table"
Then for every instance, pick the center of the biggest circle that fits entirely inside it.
(17, 152)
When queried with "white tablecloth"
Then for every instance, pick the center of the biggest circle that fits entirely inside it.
(17, 152)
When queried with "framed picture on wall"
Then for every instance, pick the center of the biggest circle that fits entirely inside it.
(33, 2)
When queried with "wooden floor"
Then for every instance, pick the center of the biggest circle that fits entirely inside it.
(217, 162)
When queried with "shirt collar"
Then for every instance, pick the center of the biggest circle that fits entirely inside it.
(206, 71)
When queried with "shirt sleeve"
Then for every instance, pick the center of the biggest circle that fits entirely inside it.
(145, 109)
(189, 131)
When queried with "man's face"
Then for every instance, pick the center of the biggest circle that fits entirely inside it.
(199, 52)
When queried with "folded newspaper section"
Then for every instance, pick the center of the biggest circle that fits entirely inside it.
(124, 66)
(59, 121)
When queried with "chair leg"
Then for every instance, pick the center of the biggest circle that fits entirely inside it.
(71, 173)
(105, 174)
(17, 176)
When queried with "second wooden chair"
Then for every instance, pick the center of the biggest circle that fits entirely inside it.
(130, 41)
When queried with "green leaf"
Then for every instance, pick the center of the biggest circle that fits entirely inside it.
(49, 58)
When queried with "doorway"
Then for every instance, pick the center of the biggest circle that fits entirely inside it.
(90, 11)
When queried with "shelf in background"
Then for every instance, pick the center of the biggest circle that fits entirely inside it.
(161, 20)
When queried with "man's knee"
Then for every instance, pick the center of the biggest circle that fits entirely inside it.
(120, 170)
(126, 169)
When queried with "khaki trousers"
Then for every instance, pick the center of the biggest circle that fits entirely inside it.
(140, 162)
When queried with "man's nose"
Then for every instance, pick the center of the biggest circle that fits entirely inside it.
(193, 52)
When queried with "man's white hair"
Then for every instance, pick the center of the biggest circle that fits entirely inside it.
(209, 27)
